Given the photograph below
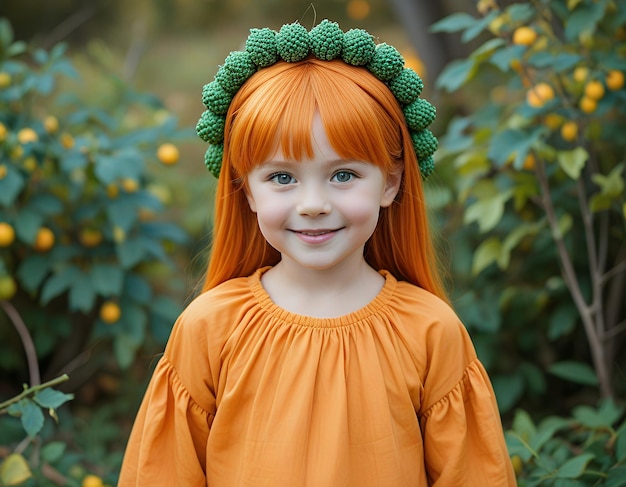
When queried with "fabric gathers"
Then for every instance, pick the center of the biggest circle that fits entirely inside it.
(249, 394)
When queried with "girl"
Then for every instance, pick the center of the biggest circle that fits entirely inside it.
(323, 351)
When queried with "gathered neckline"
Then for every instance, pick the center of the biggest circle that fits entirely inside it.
(265, 301)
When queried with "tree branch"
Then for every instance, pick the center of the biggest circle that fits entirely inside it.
(31, 390)
(27, 341)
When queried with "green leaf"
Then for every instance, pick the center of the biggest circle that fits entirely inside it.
(6, 32)
(27, 225)
(559, 62)
(107, 279)
(125, 349)
(486, 254)
(523, 425)
(602, 418)
(478, 26)
(130, 253)
(134, 321)
(620, 444)
(611, 185)
(583, 19)
(484, 51)
(513, 142)
(33, 270)
(562, 322)
(573, 161)
(454, 23)
(487, 211)
(546, 430)
(575, 467)
(502, 57)
(578, 372)
(59, 282)
(564, 225)
(17, 48)
(616, 477)
(52, 452)
(45, 204)
(121, 213)
(32, 417)
(11, 186)
(51, 398)
(456, 74)
(137, 288)
(14, 469)
(82, 294)
(508, 389)
(520, 12)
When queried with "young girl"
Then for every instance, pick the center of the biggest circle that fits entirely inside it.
(323, 352)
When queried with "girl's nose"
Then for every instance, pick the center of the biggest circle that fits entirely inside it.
(313, 201)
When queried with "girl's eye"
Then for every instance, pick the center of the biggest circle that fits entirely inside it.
(343, 176)
(282, 178)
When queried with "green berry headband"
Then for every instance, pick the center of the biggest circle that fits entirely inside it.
(326, 41)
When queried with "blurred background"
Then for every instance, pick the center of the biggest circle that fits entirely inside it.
(105, 210)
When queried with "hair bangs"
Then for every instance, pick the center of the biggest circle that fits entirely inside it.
(272, 111)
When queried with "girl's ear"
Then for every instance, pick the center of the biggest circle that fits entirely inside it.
(250, 198)
(392, 186)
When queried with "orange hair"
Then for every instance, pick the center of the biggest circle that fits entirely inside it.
(363, 121)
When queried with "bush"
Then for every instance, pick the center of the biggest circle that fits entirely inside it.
(86, 248)
(533, 172)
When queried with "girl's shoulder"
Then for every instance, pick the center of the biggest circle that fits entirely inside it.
(426, 317)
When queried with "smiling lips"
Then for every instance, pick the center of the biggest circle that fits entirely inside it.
(315, 236)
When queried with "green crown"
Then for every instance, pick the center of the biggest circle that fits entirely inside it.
(326, 41)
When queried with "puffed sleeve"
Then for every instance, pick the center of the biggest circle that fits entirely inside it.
(167, 445)
(461, 425)
(463, 438)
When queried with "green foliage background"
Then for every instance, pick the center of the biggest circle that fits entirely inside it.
(534, 224)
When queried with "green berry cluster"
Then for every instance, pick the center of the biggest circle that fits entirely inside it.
(326, 41)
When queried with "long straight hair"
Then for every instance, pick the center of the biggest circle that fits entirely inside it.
(363, 120)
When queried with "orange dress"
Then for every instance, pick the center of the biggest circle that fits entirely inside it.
(249, 394)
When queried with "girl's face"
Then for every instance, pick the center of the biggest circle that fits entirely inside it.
(319, 212)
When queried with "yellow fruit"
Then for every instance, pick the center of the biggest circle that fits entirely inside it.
(539, 95)
(51, 124)
(358, 9)
(3, 132)
(44, 240)
(580, 74)
(517, 463)
(588, 105)
(17, 152)
(92, 481)
(553, 121)
(30, 164)
(594, 90)
(3, 171)
(495, 26)
(130, 185)
(26, 135)
(168, 154)
(67, 141)
(530, 162)
(7, 234)
(569, 131)
(113, 191)
(119, 235)
(90, 237)
(615, 80)
(110, 312)
(524, 36)
(8, 287)
(5, 80)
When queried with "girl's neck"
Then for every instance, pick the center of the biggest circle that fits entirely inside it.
(326, 293)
